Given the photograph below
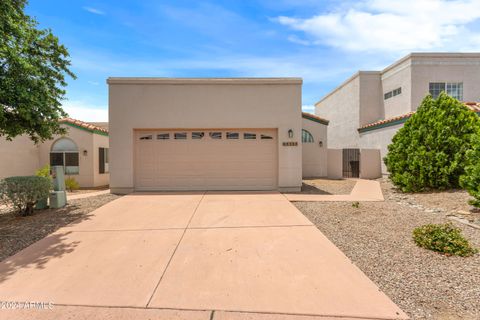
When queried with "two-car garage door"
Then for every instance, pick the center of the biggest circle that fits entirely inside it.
(206, 159)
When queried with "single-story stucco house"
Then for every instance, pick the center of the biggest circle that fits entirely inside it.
(83, 152)
(368, 109)
(212, 134)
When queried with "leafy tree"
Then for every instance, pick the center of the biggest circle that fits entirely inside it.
(429, 152)
(33, 65)
(471, 180)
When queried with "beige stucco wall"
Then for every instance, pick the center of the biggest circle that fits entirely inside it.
(398, 77)
(22, 157)
(371, 98)
(84, 141)
(379, 139)
(18, 157)
(370, 164)
(440, 68)
(203, 103)
(334, 164)
(341, 108)
(99, 179)
(314, 156)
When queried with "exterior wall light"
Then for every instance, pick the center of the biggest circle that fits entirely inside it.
(290, 133)
(85, 153)
(320, 143)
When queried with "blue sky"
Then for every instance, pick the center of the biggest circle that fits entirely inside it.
(324, 41)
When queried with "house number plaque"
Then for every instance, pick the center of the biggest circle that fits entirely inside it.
(290, 144)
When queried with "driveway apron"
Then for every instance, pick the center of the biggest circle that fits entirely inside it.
(199, 255)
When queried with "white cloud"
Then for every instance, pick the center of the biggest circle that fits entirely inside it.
(308, 108)
(394, 26)
(85, 112)
(297, 40)
(94, 10)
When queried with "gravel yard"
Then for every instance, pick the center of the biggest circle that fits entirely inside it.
(17, 233)
(327, 186)
(89, 190)
(377, 236)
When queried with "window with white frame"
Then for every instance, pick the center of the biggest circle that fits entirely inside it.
(64, 153)
(453, 89)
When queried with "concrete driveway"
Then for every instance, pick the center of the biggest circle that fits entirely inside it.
(191, 256)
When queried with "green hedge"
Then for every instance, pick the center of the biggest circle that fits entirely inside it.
(471, 180)
(23, 193)
(429, 151)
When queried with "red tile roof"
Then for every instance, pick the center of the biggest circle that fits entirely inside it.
(85, 125)
(474, 106)
(315, 118)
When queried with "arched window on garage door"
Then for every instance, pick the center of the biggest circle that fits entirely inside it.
(64, 153)
(306, 136)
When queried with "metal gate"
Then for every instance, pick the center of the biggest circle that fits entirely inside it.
(351, 163)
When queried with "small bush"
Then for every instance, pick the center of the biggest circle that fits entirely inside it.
(43, 172)
(23, 193)
(470, 181)
(429, 151)
(71, 184)
(444, 238)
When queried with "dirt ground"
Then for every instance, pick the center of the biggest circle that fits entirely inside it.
(17, 232)
(377, 237)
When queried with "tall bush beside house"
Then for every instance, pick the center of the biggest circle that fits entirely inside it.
(23, 193)
(470, 181)
(429, 152)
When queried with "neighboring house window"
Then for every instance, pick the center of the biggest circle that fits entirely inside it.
(306, 136)
(453, 89)
(392, 93)
(103, 160)
(65, 153)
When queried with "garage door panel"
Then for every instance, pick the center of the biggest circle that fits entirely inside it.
(206, 163)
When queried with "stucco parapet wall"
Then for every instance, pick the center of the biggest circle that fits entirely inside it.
(412, 57)
(204, 81)
(346, 82)
(432, 55)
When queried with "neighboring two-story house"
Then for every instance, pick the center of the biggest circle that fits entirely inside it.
(368, 109)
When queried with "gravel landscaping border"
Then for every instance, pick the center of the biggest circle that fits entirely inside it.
(377, 237)
(17, 232)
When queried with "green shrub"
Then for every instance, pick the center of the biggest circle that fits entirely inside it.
(429, 152)
(444, 238)
(43, 172)
(470, 181)
(71, 184)
(23, 193)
